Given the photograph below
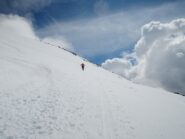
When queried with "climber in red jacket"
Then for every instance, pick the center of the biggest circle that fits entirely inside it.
(83, 66)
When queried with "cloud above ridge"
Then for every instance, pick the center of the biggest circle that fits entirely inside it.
(112, 32)
(159, 57)
(14, 24)
(17, 25)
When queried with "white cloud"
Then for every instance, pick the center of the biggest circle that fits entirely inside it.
(94, 36)
(16, 25)
(119, 66)
(159, 56)
(180, 55)
(110, 33)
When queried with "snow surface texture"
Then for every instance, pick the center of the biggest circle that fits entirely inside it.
(44, 94)
(159, 57)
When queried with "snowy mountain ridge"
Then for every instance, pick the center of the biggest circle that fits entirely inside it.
(44, 94)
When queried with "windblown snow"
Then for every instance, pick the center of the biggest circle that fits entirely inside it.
(44, 94)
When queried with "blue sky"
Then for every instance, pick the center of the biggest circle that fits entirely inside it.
(96, 29)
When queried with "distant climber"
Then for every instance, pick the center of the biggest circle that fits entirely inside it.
(83, 66)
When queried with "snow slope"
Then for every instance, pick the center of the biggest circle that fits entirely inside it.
(44, 94)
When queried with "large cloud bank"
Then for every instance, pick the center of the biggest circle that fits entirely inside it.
(158, 58)
(107, 35)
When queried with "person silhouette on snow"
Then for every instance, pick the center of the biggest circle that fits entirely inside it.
(83, 66)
